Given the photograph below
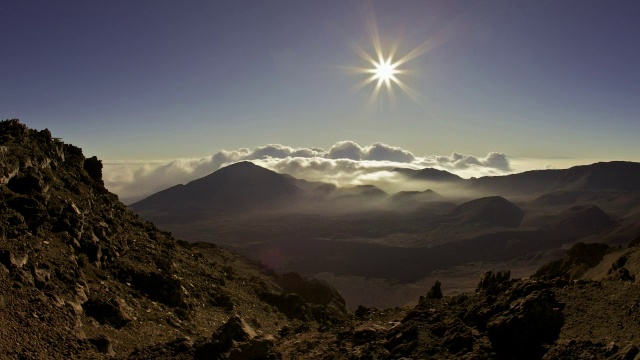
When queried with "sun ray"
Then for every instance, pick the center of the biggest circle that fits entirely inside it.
(361, 85)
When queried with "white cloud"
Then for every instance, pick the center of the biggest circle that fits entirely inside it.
(377, 151)
(345, 163)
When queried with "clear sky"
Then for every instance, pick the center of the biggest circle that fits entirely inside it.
(171, 79)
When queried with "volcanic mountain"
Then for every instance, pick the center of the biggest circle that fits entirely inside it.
(494, 210)
(241, 187)
(429, 174)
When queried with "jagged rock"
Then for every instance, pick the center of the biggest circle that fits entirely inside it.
(611, 348)
(489, 280)
(435, 292)
(93, 167)
(9, 259)
(236, 328)
(629, 352)
(363, 311)
(622, 274)
(40, 277)
(107, 311)
(103, 344)
(235, 331)
(527, 324)
(75, 307)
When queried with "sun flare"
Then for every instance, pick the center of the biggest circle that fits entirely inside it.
(385, 71)
(382, 67)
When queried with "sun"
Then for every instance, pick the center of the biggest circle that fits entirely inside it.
(384, 68)
(385, 71)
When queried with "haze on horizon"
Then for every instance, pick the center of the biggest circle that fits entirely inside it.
(542, 84)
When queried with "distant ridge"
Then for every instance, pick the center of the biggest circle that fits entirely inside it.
(613, 175)
(417, 196)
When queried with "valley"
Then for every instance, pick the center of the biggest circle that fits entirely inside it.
(361, 238)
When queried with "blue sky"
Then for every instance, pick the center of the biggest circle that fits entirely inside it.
(173, 79)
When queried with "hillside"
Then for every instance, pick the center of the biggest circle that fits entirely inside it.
(81, 276)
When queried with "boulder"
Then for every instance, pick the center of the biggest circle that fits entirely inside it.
(236, 330)
(11, 260)
(529, 323)
(103, 344)
(109, 311)
(41, 277)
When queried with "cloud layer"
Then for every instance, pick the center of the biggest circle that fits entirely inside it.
(345, 163)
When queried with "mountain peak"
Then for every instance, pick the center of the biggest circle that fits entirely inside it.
(243, 186)
(494, 210)
(429, 174)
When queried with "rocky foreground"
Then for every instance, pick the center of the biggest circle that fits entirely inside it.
(81, 276)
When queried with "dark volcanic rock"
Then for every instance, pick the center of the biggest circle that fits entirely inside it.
(107, 311)
(529, 323)
(93, 167)
(236, 339)
(103, 344)
(435, 292)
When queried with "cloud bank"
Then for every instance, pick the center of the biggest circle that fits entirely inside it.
(345, 163)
